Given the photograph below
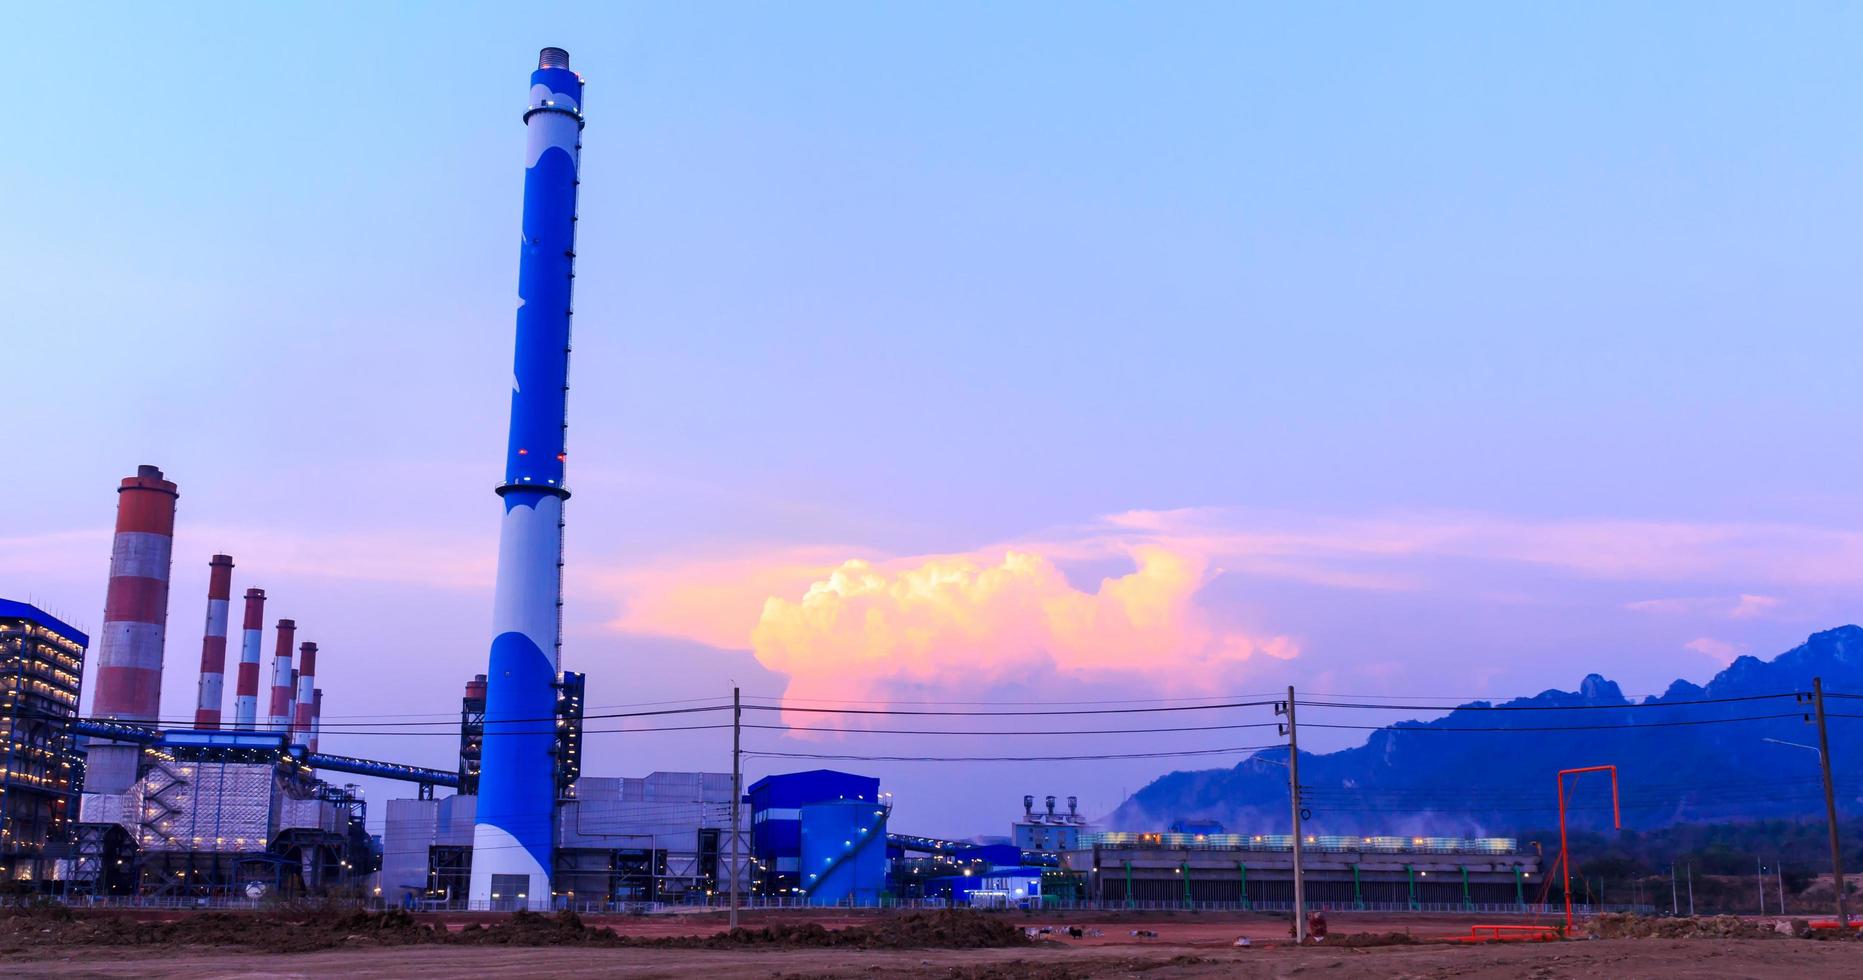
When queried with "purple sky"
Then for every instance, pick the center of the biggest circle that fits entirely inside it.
(1136, 354)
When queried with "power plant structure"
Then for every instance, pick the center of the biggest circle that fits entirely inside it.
(117, 804)
(513, 823)
(251, 643)
(213, 642)
(1048, 830)
(238, 812)
(280, 717)
(304, 705)
(135, 623)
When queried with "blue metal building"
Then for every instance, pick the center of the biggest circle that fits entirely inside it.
(776, 804)
(843, 859)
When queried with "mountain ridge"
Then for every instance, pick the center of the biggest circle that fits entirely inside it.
(1679, 759)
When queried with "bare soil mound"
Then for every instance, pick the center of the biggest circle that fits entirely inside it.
(1362, 939)
(1622, 925)
(289, 929)
(301, 929)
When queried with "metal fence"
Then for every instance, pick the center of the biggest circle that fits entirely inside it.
(1123, 840)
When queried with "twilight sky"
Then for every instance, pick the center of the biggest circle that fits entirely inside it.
(957, 352)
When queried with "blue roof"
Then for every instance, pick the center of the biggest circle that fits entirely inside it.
(814, 786)
(9, 609)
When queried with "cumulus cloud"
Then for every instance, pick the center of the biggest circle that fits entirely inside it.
(866, 630)
(1008, 615)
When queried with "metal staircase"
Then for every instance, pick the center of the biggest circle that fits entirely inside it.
(867, 835)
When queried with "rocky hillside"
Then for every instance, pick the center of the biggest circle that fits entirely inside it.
(1683, 763)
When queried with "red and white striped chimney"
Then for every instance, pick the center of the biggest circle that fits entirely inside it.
(279, 718)
(252, 638)
(129, 657)
(213, 642)
(306, 704)
(316, 718)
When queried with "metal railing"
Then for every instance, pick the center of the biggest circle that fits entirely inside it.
(1122, 840)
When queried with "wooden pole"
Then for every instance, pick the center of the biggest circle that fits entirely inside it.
(1830, 809)
(1293, 793)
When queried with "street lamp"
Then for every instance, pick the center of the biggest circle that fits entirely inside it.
(1797, 745)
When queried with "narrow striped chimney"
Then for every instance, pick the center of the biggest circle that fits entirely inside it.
(291, 705)
(213, 642)
(135, 622)
(278, 719)
(306, 704)
(316, 718)
(252, 638)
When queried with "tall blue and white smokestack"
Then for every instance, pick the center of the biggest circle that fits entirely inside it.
(511, 855)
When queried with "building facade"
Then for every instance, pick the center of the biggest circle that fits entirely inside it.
(664, 838)
(41, 670)
(776, 804)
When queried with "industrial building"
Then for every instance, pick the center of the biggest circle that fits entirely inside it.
(1048, 831)
(223, 813)
(662, 838)
(1250, 870)
(115, 804)
(41, 670)
(801, 836)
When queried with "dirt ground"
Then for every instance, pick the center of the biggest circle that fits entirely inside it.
(1617, 958)
(1186, 946)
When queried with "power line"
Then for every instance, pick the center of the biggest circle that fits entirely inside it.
(1543, 707)
(1007, 714)
(1421, 727)
(1009, 758)
(1062, 731)
(1212, 697)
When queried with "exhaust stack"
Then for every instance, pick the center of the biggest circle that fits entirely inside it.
(213, 642)
(135, 623)
(279, 718)
(517, 791)
(316, 725)
(306, 704)
(251, 639)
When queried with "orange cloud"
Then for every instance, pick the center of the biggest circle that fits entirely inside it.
(715, 602)
(961, 622)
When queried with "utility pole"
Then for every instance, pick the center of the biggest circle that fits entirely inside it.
(737, 797)
(1759, 878)
(1689, 872)
(1675, 904)
(1778, 872)
(1293, 795)
(1830, 809)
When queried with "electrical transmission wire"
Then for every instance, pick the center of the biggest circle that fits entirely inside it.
(1423, 727)
(1386, 706)
(1055, 731)
(1007, 758)
(1003, 714)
